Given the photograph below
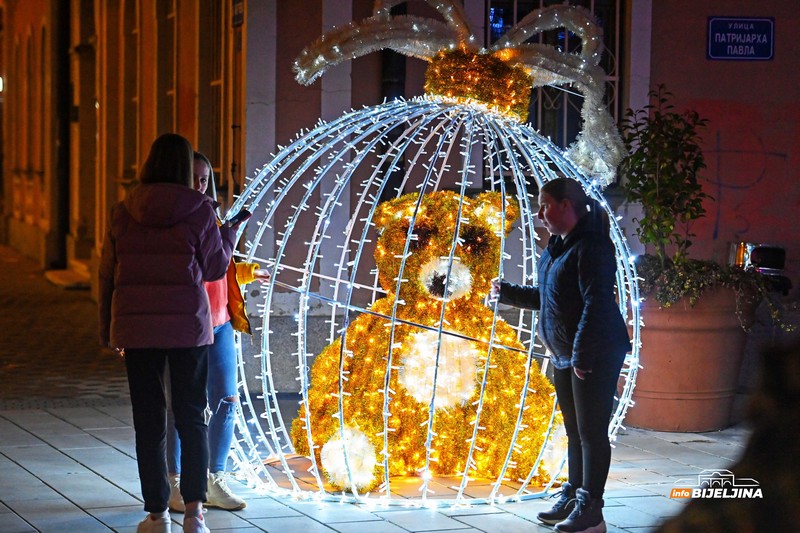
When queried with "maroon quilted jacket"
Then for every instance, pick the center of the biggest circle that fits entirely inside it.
(162, 243)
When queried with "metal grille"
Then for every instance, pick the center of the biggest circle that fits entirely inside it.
(553, 111)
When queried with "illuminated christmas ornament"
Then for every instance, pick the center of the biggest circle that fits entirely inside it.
(419, 365)
(383, 247)
(500, 77)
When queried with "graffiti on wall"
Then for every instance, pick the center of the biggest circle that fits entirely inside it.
(737, 172)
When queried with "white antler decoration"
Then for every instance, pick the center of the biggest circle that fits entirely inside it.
(598, 148)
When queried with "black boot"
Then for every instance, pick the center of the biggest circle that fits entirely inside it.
(586, 517)
(562, 508)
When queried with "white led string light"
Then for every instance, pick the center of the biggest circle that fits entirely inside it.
(430, 144)
(511, 147)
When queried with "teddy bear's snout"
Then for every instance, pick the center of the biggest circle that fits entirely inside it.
(434, 278)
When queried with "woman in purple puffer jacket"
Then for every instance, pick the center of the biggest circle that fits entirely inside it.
(162, 243)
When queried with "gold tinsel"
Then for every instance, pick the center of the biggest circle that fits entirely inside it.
(369, 338)
(470, 76)
(455, 44)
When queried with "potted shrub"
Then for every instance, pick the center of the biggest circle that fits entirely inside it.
(695, 311)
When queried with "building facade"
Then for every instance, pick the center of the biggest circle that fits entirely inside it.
(88, 85)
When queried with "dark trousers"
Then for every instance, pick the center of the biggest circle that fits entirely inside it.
(586, 407)
(188, 376)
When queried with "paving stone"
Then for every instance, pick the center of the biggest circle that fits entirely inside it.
(57, 516)
(67, 454)
(295, 523)
(504, 522)
(329, 513)
(49, 343)
(428, 520)
(379, 526)
(12, 523)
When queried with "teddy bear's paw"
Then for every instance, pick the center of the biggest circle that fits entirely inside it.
(456, 374)
(433, 276)
(361, 458)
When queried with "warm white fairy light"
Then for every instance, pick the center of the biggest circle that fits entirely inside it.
(428, 127)
(458, 366)
(443, 143)
(598, 148)
(352, 455)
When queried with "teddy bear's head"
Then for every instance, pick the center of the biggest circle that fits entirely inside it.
(423, 231)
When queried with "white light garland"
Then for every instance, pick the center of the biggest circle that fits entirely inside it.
(511, 155)
(598, 148)
(321, 259)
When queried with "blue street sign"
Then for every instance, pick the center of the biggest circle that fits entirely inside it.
(749, 39)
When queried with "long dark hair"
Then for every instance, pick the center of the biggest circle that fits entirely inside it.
(570, 189)
(169, 161)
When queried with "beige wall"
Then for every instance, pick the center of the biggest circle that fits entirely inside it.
(31, 191)
(751, 143)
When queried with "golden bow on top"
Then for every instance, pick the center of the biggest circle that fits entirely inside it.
(500, 77)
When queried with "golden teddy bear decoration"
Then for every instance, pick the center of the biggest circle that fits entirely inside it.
(436, 257)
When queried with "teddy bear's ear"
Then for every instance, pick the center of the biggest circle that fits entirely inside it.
(392, 210)
(489, 206)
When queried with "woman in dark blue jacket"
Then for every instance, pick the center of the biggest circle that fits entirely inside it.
(582, 328)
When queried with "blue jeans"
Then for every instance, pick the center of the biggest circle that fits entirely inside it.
(221, 385)
(147, 382)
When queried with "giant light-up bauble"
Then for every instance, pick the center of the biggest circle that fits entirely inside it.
(316, 201)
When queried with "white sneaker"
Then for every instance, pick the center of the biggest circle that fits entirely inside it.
(195, 524)
(161, 524)
(175, 498)
(219, 494)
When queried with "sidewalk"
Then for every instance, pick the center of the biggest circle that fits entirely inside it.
(49, 349)
(67, 460)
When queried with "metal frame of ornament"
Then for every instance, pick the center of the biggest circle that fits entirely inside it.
(307, 182)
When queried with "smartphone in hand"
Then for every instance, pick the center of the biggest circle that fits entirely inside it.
(239, 217)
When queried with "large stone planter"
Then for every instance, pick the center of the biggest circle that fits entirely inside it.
(690, 358)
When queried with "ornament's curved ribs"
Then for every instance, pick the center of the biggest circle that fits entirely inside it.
(575, 19)
(313, 162)
(409, 35)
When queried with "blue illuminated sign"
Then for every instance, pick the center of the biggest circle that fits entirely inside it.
(749, 39)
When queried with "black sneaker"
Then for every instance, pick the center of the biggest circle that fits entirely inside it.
(560, 511)
(586, 517)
